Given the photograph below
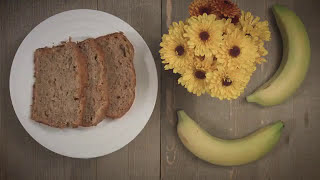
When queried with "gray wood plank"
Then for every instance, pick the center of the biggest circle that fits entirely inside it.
(294, 157)
(3, 150)
(303, 140)
(75, 169)
(24, 158)
(140, 159)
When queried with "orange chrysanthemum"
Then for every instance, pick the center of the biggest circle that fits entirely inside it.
(199, 7)
(226, 9)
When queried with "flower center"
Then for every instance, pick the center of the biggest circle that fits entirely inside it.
(214, 58)
(180, 50)
(204, 10)
(226, 82)
(248, 34)
(202, 58)
(204, 36)
(200, 74)
(235, 51)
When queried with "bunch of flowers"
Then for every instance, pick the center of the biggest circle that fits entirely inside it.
(216, 49)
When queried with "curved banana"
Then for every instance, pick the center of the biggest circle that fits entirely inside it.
(227, 152)
(294, 64)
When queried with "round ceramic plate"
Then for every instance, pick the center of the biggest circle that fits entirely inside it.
(109, 135)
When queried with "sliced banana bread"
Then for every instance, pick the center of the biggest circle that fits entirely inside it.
(121, 77)
(96, 91)
(60, 81)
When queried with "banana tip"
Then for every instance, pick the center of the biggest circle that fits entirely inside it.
(250, 98)
(280, 124)
(283, 125)
(179, 111)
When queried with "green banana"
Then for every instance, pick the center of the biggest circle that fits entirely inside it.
(295, 61)
(227, 152)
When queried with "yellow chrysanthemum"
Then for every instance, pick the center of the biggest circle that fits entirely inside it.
(227, 84)
(199, 7)
(194, 79)
(204, 34)
(177, 28)
(254, 28)
(261, 51)
(238, 51)
(175, 51)
(205, 62)
(228, 26)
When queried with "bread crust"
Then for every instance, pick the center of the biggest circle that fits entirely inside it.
(83, 80)
(101, 113)
(131, 49)
(102, 85)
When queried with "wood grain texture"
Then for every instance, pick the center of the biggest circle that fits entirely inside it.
(3, 150)
(306, 103)
(294, 157)
(157, 153)
(140, 159)
(21, 156)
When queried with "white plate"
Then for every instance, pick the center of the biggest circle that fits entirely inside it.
(109, 135)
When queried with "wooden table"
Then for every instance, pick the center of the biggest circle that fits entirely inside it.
(157, 153)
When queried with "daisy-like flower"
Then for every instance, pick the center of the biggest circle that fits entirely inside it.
(262, 31)
(175, 52)
(227, 84)
(261, 51)
(205, 62)
(254, 28)
(228, 26)
(199, 7)
(204, 34)
(226, 9)
(238, 51)
(177, 28)
(194, 79)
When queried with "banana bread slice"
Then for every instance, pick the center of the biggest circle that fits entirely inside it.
(60, 81)
(96, 91)
(121, 77)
